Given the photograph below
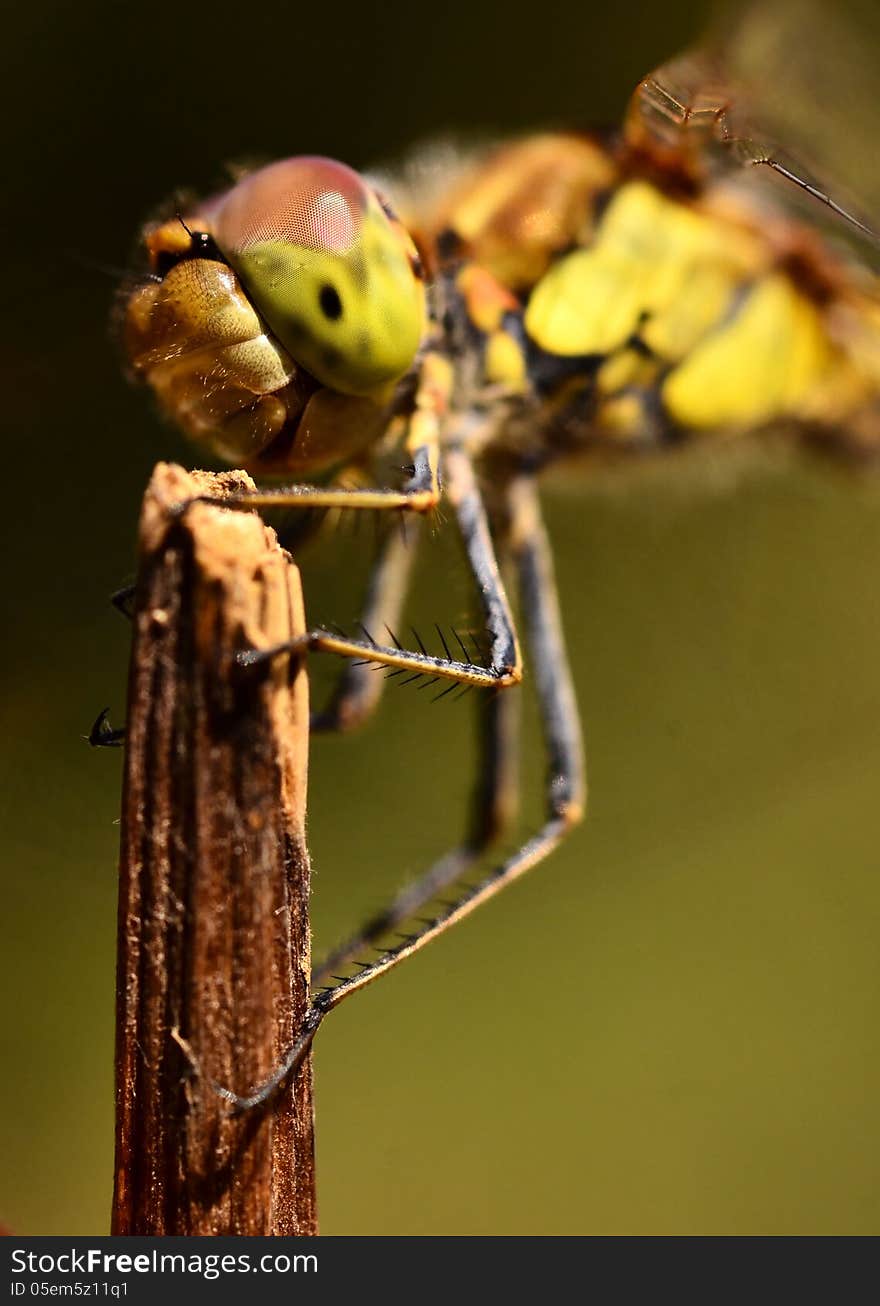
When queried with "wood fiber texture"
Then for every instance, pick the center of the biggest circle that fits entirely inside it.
(213, 944)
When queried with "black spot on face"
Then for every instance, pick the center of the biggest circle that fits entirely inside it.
(331, 359)
(331, 304)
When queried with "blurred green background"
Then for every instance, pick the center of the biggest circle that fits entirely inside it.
(672, 1026)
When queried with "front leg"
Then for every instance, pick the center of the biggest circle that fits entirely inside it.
(505, 664)
(565, 787)
(421, 494)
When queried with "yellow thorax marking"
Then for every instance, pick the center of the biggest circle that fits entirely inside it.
(656, 264)
(767, 362)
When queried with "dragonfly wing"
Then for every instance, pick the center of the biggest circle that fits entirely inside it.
(785, 91)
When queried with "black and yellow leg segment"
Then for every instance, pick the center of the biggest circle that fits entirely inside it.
(494, 806)
(395, 658)
(470, 511)
(504, 666)
(564, 787)
(421, 494)
(494, 803)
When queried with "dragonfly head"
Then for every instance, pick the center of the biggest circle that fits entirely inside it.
(330, 269)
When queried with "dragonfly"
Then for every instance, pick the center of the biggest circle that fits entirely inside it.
(562, 299)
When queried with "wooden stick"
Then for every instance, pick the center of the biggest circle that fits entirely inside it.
(214, 956)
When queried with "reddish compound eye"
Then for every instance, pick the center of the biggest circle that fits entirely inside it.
(326, 268)
(314, 203)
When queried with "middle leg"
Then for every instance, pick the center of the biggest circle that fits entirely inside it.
(565, 782)
(494, 805)
(504, 665)
(496, 789)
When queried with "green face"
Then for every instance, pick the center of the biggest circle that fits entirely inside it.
(334, 276)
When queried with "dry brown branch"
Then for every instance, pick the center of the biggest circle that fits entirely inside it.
(213, 961)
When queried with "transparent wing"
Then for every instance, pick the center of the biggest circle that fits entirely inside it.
(788, 90)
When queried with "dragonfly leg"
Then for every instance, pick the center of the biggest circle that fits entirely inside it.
(103, 735)
(494, 804)
(421, 494)
(565, 783)
(470, 511)
(504, 665)
(496, 790)
(566, 789)
(123, 601)
(360, 689)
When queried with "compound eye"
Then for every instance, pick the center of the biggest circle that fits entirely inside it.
(315, 204)
(327, 269)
